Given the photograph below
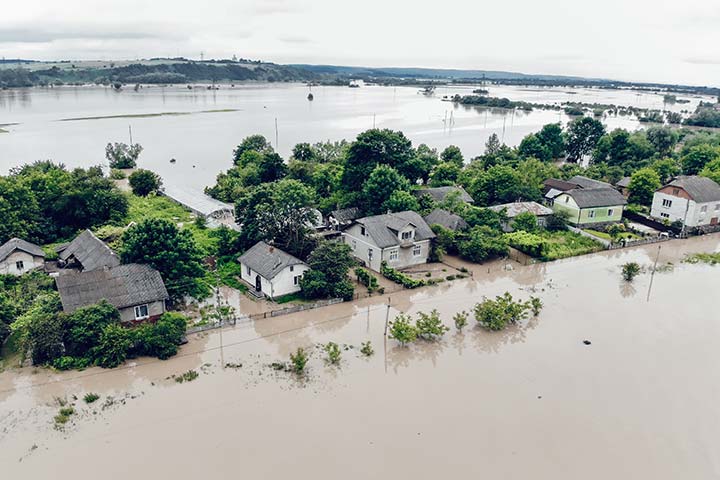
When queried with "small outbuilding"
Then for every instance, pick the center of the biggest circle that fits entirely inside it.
(270, 271)
(87, 252)
(18, 256)
(446, 219)
(514, 209)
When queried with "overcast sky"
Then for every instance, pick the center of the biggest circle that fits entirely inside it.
(642, 40)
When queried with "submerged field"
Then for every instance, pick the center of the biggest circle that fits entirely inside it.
(531, 401)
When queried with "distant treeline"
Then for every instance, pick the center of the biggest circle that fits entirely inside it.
(184, 72)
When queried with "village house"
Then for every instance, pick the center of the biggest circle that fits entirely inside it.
(343, 217)
(692, 200)
(446, 219)
(401, 239)
(271, 272)
(18, 256)
(439, 194)
(86, 252)
(137, 291)
(514, 209)
(623, 186)
(552, 187)
(591, 207)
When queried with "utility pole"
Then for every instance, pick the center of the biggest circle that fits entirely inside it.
(277, 147)
(387, 318)
(130, 130)
(220, 316)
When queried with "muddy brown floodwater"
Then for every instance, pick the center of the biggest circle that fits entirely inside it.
(641, 401)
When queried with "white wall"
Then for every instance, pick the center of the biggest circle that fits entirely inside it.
(9, 265)
(363, 243)
(677, 211)
(282, 284)
(154, 309)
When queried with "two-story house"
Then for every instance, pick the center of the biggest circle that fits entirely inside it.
(401, 239)
(692, 200)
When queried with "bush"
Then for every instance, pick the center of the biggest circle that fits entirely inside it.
(556, 222)
(367, 349)
(113, 346)
(630, 270)
(525, 221)
(460, 319)
(529, 243)
(117, 174)
(161, 339)
(299, 361)
(399, 277)
(482, 243)
(497, 314)
(91, 397)
(366, 279)
(402, 330)
(333, 352)
(429, 326)
(144, 182)
(120, 155)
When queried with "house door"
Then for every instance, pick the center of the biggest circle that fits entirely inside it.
(714, 221)
(258, 284)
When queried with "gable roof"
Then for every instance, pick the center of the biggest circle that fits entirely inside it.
(345, 215)
(557, 185)
(19, 244)
(90, 251)
(701, 189)
(623, 182)
(585, 182)
(267, 260)
(440, 193)
(446, 219)
(596, 197)
(514, 209)
(122, 286)
(383, 228)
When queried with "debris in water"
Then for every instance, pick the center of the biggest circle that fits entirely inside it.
(587, 342)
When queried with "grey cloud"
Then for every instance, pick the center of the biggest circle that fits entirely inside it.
(702, 60)
(297, 39)
(80, 32)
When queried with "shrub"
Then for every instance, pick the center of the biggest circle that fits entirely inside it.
(525, 221)
(402, 330)
(188, 376)
(120, 155)
(90, 397)
(113, 346)
(161, 339)
(116, 174)
(460, 319)
(497, 314)
(367, 349)
(429, 326)
(299, 360)
(535, 305)
(630, 270)
(144, 182)
(364, 277)
(399, 277)
(556, 222)
(529, 243)
(333, 352)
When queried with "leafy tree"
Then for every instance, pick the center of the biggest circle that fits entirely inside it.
(582, 137)
(144, 182)
(113, 346)
(304, 152)
(401, 201)
(379, 187)
(402, 330)
(711, 170)
(532, 147)
(525, 221)
(460, 319)
(84, 326)
(158, 242)
(162, 338)
(19, 212)
(630, 270)
(444, 174)
(643, 184)
(498, 313)
(333, 352)
(120, 155)
(255, 143)
(557, 221)
(697, 157)
(426, 159)
(279, 213)
(662, 138)
(492, 146)
(551, 137)
(482, 243)
(328, 277)
(429, 326)
(501, 184)
(372, 148)
(666, 168)
(40, 328)
(478, 216)
(452, 154)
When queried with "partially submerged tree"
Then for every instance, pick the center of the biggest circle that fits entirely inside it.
(121, 155)
(144, 182)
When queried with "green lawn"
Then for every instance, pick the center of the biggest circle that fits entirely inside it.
(567, 244)
(608, 237)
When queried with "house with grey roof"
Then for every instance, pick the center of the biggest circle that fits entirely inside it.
(401, 239)
(692, 200)
(270, 271)
(343, 217)
(87, 252)
(18, 256)
(439, 194)
(446, 219)
(514, 209)
(591, 206)
(137, 291)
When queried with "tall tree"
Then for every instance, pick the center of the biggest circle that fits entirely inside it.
(643, 184)
(582, 137)
(382, 182)
(372, 148)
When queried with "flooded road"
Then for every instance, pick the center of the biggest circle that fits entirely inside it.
(200, 128)
(640, 401)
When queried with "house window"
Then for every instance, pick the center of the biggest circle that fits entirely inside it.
(370, 253)
(296, 279)
(354, 244)
(247, 269)
(362, 231)
(610, 212)
(417, 250)
(665, 215)
(703, 209)
(717, 206)
(393, 254)
(567, 199)
(20, 265)
(676, 191)
(141, 312)
(292, 268)
(667, 203)
(591, 214)
(406, 235)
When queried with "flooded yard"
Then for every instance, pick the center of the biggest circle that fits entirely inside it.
(612, 380)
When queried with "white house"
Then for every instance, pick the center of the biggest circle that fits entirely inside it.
(401, 239)
(693, 200)
(270, 271)
(18, 256)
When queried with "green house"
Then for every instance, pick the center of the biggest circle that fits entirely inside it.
(591, 206)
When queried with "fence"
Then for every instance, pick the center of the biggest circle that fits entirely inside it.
(606, 243)
(642, 241)
(296, 308)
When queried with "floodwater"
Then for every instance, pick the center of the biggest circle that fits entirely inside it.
(641, 401)
(201, 127)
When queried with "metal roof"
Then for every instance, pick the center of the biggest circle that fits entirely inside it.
(267, 260)
(701, 189)
(90, 252)
(383, 228)
(197, 201)
(122, 286)
(585, 182)
(445, 219)
(345, 215)
(514, 209)
(19, 244)
(596, 197)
